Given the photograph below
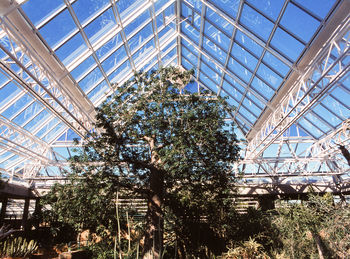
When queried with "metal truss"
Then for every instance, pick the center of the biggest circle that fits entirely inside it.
(323, 158)
(23, 143)
(280, 188)
(54, 95)
(320, 76)
(332, 145)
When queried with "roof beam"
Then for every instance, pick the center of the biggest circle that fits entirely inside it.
(297, 97)
(322, 157)
(22, 142)
(74, 104)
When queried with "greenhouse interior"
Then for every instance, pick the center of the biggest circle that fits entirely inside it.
(175, 129)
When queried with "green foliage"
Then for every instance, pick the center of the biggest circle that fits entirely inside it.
(249, 249)
(314, 224)
(82, 203)
(336, 231)
(158, 141)
(17, 247)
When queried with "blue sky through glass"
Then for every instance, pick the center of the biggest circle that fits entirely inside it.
(246, 50)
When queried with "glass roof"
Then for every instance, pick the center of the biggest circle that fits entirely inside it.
(61, 58)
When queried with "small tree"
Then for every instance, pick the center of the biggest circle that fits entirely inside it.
(160, 142)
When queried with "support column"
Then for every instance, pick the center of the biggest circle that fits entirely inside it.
(37, 213)
(3, 210)
(25, 214)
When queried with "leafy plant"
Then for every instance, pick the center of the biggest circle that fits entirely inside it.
(249, 249)
(17, 247)
(173, 148)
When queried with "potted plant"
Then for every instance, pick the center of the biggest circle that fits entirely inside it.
(15, 248)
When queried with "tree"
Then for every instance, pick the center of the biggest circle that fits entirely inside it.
(165, 144)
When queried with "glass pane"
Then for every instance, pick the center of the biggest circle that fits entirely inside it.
(120, 72)
(212, 65)
(169, 13)
(214, 50)
(16, 106)
(328, 115)
(197, 4)
(159, 21)
(208, 83)
(98, 91)
(144, 52)
(239, 70)
(72, 49)
(235, 84)
(269, 76)
(237, 95)
(256, 22)
(83, 67)
(35, 14)
(287, 44)
(256, 101)
(113, 60)
(230, 7)
(111, 45)
(262, 89)
(217, 36)
(248, 43)
(152, 62)
(167, 47)
(321, 8)
(104, 24)
(8, 92)
(131, 27)
(90, 80)
(210, 73)
(126, 7)
(317, 122)
(166, 32)
(169, 56)
(58, 28)
(304, 27)
(28, 113)
(84, 9)
(244, 57)
(140, 37)
(189, 56)
(186, 64)
(271, 8)
(190, 32)
(310, 128)
(276, 64)
(219, 21)
(159, 4)
(39, 120)
(247, 114)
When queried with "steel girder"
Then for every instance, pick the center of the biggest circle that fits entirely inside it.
(321, 158)
(60, 95)
(23, 143)
(320, 76)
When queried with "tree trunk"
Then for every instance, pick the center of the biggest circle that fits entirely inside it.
(319, 244)
(154, 219)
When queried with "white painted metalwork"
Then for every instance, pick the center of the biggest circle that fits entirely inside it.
(23, 143)
(320, 76)
(323, 157)
(71, 111)
(321, 66)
